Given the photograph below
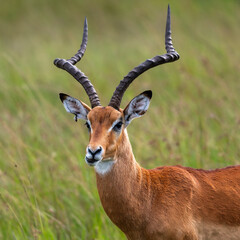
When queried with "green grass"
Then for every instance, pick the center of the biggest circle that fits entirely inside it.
(46, 189)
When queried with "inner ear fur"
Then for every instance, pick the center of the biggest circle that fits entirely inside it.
(137, 107)
(75, 106)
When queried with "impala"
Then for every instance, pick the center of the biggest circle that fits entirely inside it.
(169, 202)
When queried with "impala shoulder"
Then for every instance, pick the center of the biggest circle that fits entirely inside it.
(175, 176)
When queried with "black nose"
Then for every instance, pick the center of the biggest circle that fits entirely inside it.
(93, 152)
(93, 155)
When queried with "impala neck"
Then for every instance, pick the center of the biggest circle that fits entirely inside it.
(122, 168)
(120, 187)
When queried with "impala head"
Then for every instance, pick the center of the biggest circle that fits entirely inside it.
(106, 125)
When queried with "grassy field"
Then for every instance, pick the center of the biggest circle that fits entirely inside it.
(46, 189)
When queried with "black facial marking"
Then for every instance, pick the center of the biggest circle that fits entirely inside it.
(88, 126)
(128, 118)
(76, 118)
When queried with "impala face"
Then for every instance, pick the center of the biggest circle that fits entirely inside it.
(105, 124)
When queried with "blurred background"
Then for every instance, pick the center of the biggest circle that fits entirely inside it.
(46, 189)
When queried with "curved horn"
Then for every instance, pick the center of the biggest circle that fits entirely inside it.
(170, 56)
(68, 65)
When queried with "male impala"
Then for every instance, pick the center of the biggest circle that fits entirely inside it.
(170, 202)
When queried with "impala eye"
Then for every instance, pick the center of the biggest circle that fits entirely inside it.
(117, 127)
(88, 126)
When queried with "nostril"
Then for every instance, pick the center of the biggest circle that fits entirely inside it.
(98, 150)
(90, 150)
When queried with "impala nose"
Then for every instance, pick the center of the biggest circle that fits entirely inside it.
(93, 155)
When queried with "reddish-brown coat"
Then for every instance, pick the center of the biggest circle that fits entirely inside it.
(171, 202)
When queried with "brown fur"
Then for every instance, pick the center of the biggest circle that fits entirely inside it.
(171, 202)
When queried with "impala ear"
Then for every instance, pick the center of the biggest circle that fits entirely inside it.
(137, 107)
(74, 106)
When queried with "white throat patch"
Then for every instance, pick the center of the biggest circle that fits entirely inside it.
(104, 166)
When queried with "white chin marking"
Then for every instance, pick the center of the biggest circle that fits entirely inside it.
(104, 166)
